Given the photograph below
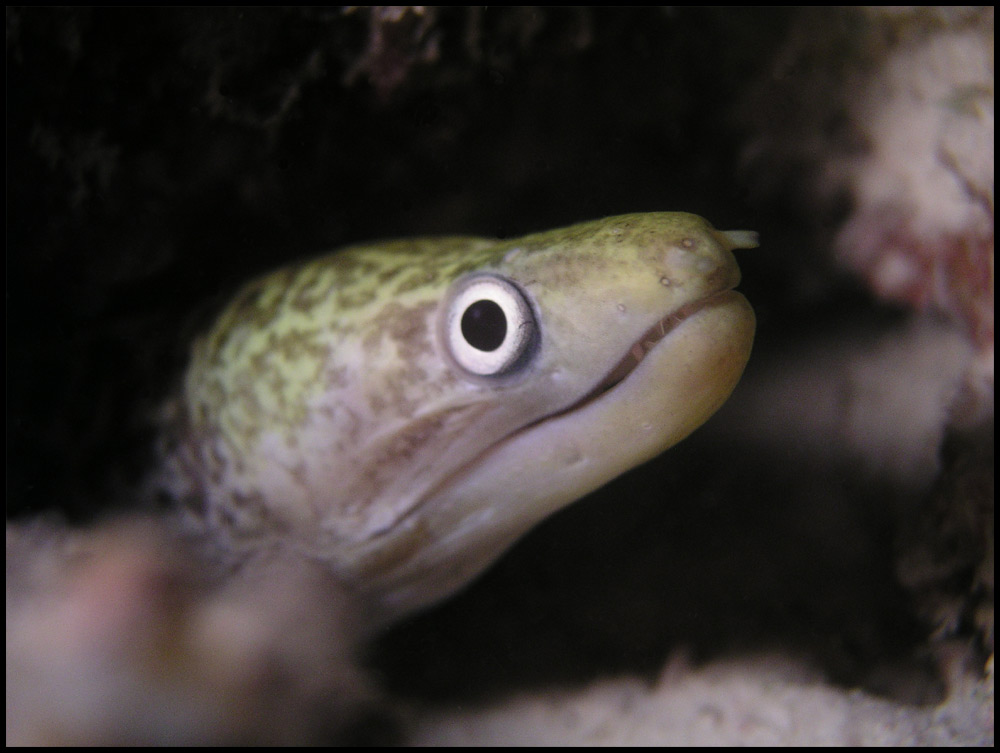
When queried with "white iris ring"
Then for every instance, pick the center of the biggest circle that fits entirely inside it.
(520, 325)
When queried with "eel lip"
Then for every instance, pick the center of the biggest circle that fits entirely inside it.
(648, 341)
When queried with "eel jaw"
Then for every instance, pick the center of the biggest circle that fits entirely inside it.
(462, 521)
(649, 339)
(618, 374)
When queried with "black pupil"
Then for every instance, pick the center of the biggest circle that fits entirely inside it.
(484, 325)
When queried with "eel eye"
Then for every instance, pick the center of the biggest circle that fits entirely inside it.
(489, 327)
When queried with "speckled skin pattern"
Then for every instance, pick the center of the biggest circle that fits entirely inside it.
(323, 409)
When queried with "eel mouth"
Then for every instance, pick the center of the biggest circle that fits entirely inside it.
(649, 339)
(618, 374)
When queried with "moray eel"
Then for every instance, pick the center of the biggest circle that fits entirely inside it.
(405, 411)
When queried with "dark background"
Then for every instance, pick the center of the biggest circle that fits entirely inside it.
(157, 158)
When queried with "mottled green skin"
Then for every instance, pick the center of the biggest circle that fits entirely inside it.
(323, 410)
(314, 328)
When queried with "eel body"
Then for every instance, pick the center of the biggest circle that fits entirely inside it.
(404, 411)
